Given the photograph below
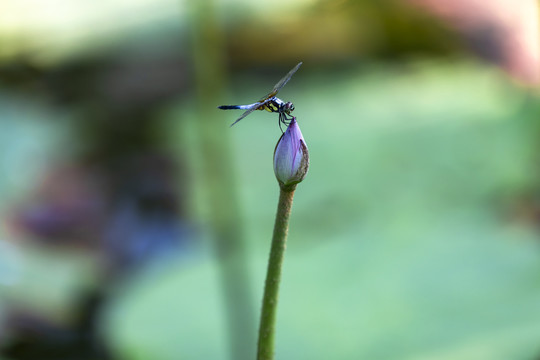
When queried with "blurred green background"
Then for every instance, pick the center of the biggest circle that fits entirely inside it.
(136, 224)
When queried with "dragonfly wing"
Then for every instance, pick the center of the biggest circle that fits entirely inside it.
(281, 83)
(252, 108)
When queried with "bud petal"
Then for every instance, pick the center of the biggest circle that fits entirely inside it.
(291, 157)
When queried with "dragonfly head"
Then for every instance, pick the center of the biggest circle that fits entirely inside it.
(288, 107)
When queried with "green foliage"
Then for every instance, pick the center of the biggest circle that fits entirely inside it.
(401, 245)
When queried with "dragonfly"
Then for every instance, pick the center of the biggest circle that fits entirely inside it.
(269, 102)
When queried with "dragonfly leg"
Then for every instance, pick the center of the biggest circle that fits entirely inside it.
(286, 119)
(281, 121)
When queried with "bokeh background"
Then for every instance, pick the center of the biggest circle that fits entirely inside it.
(136, 223)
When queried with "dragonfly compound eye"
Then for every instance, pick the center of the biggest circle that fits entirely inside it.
(290, 106)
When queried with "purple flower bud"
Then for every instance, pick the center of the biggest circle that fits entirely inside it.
(291, 157)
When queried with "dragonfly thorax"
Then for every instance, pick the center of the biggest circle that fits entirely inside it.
(281, 106)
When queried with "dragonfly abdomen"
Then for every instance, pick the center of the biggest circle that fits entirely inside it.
(232, 107)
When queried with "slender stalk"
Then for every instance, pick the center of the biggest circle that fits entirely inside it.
(217, 179)
(265, 349)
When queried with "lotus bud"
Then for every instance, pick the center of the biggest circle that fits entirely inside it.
(291, 157)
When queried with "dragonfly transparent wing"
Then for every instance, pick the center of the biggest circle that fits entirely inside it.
(281, 83)
(252, 108)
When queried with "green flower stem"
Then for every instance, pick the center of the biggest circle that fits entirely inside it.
(265, 349)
